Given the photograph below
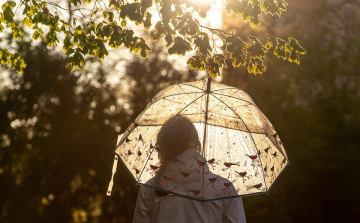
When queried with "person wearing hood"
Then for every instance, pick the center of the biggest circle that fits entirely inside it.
(183, 171)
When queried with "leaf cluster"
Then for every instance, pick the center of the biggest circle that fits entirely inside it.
(178, 26)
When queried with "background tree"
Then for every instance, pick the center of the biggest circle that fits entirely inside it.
(315, 109)
(87, 27)
(57, 127)
(57, 132)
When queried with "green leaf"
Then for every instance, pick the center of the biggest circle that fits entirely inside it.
(36, 35)
(8, 15)
(220, 59)
(239, 58)
(212, 67)
(274, 7)
(202, 44)
(235, 46)
(294, 45)
(186, 25)
(269, 44)
(40, 31)
(132, 11)
(145, 4)
(256, 48)
(101, 50)
(38, 18)
(17, 63)
(180, 46)
(249, 10)
(51, 38)
(32, 11)
(67, 43)
(159, 31)
(78, 30)
(155, 35)
(294, 57)
(116, 39)
(214, 64)
(26, 9)
(76, 60)
(26, 21)
(15, 28)
(256, 66)
(168, 39)
(8, 4)
(141, 45)
(70, 51)
(295, 49)
(280, 49)
(114, 3)
(36, 5)
(110, 17)
(196, 62)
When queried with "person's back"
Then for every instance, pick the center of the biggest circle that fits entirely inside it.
(175, 209)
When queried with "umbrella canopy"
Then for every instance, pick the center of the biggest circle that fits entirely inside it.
(233, 150)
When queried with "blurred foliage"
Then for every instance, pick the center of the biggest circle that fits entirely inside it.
(315, 108)
(87, 27)
(57, 133)
(57, 130)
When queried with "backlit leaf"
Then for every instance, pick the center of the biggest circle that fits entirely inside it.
(256, 66)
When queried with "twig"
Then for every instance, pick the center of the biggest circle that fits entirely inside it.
(69, 10)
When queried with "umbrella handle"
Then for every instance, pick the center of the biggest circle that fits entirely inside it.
(116, 159)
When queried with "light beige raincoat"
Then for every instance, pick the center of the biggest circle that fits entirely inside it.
(176, 209)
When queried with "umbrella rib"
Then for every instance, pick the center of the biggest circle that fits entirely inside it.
(223, 89)
(151, 103)
(278, 176)
(237, 90)
(282, 151)
(234, 98)
(173, 95)
(208, 124)
(159, 93)
(189, 104)
(192, 86)
(265, 142)
(248, 130)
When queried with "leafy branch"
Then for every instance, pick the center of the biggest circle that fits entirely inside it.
(178, 27)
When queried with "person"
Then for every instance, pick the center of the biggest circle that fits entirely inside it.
(180, 149)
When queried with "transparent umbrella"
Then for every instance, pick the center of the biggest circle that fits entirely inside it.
(240, 153)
